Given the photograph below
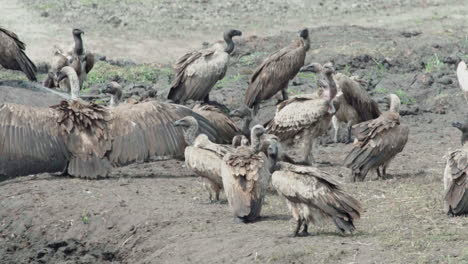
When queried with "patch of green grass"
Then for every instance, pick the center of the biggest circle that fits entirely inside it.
(379, 68)
(250, 60)
(308, 75)
(85, 217)
(433, 64)
(228, 80)
(347, 70)
(404, 97)
(381, 90)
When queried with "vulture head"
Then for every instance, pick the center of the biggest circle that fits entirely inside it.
(328, 68)
(77, 32)
(241, 112)
(255, 135)
(190, 126)
(228, 35)
(304, 35)
(186, 122)
(314, 67)
(115, 90)
(463, 127)
(272, 152)
(240, 140)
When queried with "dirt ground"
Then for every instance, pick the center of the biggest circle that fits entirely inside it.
(158, 212)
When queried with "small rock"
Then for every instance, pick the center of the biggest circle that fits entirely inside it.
(44, 14)
(409, 34)
(445, 80)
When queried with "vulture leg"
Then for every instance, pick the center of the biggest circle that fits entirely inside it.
(348, 129)
(211, 188)
(336, 128)
(298, 227)
(384, 171)
(304, 232)
(206, 100)
(284, 93)
(307, 154)
(379, 175)
(255, 109)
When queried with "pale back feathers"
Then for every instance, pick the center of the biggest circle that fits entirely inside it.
(456, 183)
(226, 128)
(12, 54)
(275, 72)
(315, 195)
(197, 72)
(462, 75)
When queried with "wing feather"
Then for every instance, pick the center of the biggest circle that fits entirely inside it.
(456, 178)
(226, 128)
(12, 54)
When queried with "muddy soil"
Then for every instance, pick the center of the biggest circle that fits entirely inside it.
(158, 212)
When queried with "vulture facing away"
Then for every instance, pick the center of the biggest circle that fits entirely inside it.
(456, 177)
(246, 176)
(462, 76)
(12, 54)
(198, 71)
(203, 157)
(86, 140)
(226, 128)
(276, 70)
(308, 116)
(377, 142)
(314, 196)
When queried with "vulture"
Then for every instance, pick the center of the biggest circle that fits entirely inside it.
(352, 103)
(377, 142)
(307, 116)
(203, 157)
(86, 140)
(245, 114)
(198, 71)
(456, 177)
(276, 70)
(462, 75)
(12, 54)
(226, 128)
(314, 196)
(80, 60)
(246, 177)
(29, 93)
(115, 91)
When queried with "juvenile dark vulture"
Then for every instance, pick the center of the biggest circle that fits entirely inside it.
(203, 157)
(246, 176)
(306, 116)
(86, 140)
(352, 103)
(314, 196)
(377, 142)
(276, 70)
(456, 177)
(462, 76)
(226, 128)
(198, 71)
(12, 54)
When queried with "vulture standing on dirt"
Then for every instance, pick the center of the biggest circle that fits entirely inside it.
(198, 71)
(276, 70)
(456, 177)
(80, 60)
(246, 176)
(308, 116)
(352, 103)
(202, 156)
(462, 75)
(377, 142)
(226, 128)
(12, 54)
(314, 196)
(85, 140)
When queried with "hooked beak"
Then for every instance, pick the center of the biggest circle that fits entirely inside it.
(177, 123)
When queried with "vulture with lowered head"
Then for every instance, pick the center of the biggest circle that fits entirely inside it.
(246, 176)
(377, 142)
(314, 196)
(226, 128)
(198, 71)
(456, 177)
(276, 70)
(307, 116)
(86, 140)
(12, 54)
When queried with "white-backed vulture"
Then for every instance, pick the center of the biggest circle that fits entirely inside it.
(352, 103)
(86, 140)
(246, 176)
(377, 142)
(462, 76)
(198, 71)
(308, 116)
(456, 177)
(203, 157)
(314, 196)
(226, 128)
(12, 54)
(275, 72)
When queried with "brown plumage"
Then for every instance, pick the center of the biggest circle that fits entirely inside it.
(313, 196)
(276, 70)
(456, 177)
(86, 140)
(226, 128)
(198, 71)
(377, 142)
(246, 176)
(307, 116)
(12, 54)
(203, 157)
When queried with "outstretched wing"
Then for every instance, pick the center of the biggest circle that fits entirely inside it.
(227, 129)
(12, 54)
(145, 131)
(30, 142)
